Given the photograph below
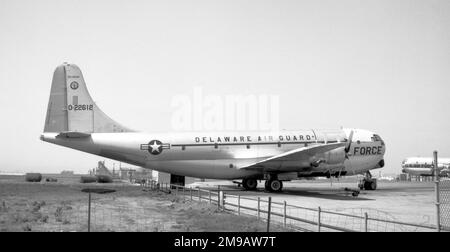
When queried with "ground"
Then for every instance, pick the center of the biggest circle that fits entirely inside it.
(62, 206)
(412, 202)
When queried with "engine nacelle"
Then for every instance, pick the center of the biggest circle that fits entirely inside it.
(333, 157)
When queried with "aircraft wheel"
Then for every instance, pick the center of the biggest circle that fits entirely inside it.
(274, 185)
(361, 186)
(373, 185)
(267, 186)
(249, 184)
(370, 185)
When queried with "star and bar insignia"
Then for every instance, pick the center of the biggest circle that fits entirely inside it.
(155, 147)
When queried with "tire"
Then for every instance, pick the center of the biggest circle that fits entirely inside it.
(249, 184)
(275, 185)
(370, 185)
(366, 185)
(266, 186)
(373, 185)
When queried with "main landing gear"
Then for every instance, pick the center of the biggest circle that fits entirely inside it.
(273, 185)
(249, 184)
(368, 183)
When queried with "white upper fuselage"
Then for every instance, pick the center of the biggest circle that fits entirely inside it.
(222, 155)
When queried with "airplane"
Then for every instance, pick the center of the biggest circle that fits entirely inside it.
(73, 120)
(423, 166)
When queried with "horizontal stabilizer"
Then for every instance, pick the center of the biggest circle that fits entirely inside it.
(73, 134)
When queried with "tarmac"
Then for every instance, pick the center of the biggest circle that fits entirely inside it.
(412, 202)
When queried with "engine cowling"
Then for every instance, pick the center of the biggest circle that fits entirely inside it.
(336, 156)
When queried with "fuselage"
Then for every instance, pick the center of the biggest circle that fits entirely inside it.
(221, 155)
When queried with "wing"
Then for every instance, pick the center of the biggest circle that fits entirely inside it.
(294, 159)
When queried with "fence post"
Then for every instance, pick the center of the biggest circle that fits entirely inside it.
(89, 213)
(190, 191)
(218, 197)
(284, 214)
(318, 220)
(223, 200)
(209, 192)
(198, 192)
(436, 189)
(366, 220)
(184, 192)
(239, 204)
(257, 210)
(268, 213)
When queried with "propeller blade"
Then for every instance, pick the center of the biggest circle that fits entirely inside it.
(350, 138)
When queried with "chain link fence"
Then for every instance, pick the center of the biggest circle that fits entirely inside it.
(444, 204)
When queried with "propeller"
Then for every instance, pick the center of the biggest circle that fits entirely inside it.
(350, 138)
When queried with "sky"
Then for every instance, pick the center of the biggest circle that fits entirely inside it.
(380, 65)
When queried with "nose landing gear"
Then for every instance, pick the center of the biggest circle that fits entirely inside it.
(368, 183)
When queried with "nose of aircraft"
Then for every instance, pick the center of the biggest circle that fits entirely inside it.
(363, 136)
(360, 135)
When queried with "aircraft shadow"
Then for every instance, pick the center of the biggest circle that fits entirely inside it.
(331, 194)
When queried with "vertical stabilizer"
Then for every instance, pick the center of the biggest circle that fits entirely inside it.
(71, 108)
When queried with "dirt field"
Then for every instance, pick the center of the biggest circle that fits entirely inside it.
(62, 206)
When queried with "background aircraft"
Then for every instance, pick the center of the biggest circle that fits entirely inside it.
(73, 120)
(423, 166)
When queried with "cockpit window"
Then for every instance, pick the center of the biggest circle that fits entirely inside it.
(377, 138)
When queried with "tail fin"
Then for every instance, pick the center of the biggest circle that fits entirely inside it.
(71, 108)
